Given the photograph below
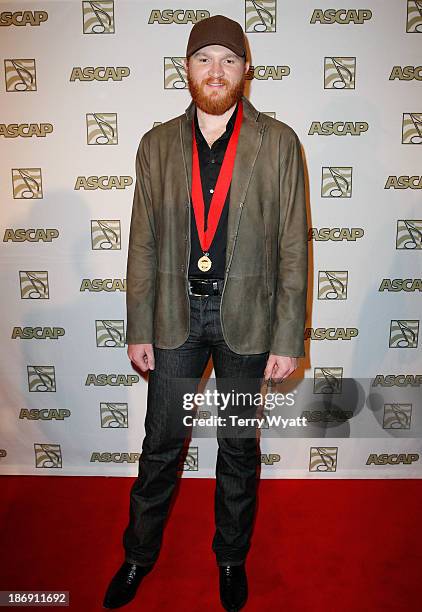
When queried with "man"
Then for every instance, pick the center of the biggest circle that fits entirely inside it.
(217, 265)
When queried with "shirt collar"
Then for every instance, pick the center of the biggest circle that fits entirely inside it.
(229, 124)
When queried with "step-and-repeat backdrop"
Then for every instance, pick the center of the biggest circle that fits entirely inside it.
(81, 82)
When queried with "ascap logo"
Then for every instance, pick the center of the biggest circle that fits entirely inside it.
(177, 16)
(341, 16)
(392, 459)
(89, 73)
(351, 234)
(260, 16)
(114, 380)
(34, 285)
(48, 455)
(401, 284)
(270, 458)
(113, 415)
(105, 235)
(338, 128)
(98, 17)
(323, 458)
(106, 284)
(331, 333)
(332, 285)
(23, 18)
(404, 182)
(412, 128)
(414, 16)
(339, 72)
(397, 416)
(44, 414)
(38, 333)
(327, 416)
(406, 73)
(108, 457)
(175, 76)
(3, 453)
(20, 75)
(103, 182)
(397, 380)
(27, 183)
(110, 333)
(25, 130)
(336, 182)
(191, 461)
(263, 73)
(101, 128)
(30, 235)
(41, 379)
(409, 234)
(404, 333)
(328, 380)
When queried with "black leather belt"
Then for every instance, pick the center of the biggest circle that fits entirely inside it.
(204, 287)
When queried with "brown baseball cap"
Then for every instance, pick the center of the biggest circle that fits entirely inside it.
(217, 30)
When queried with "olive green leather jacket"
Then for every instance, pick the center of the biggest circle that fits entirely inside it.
(264, 296)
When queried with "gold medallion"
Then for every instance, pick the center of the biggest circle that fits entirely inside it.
(204, 263)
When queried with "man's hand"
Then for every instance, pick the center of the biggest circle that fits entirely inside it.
(142, 356)
(279, 367)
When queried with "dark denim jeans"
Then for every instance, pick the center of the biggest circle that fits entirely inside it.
(238, 458)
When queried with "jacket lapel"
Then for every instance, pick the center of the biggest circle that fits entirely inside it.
(248, 145)
(186, 142)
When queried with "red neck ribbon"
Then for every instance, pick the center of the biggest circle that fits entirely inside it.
(221, 188)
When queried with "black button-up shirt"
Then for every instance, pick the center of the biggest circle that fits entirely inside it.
(210, 161)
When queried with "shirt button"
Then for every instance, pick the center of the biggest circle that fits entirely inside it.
(211, 190)
(213, 161)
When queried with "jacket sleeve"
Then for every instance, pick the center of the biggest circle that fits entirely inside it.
(142, 256)
(290, 300)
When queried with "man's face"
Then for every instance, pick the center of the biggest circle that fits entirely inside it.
(216, 78)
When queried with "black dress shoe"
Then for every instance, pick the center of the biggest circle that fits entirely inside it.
(123, 586)
(233, 587)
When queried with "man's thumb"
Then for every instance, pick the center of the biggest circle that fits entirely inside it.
(150, 356)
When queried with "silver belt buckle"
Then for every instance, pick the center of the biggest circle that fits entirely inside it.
(214, 286)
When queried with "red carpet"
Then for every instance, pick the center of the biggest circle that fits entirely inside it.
(318, 546)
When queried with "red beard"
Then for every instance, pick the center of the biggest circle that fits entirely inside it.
(215, 103)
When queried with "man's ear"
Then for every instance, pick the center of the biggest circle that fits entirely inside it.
(247, 64)
(185, 63)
